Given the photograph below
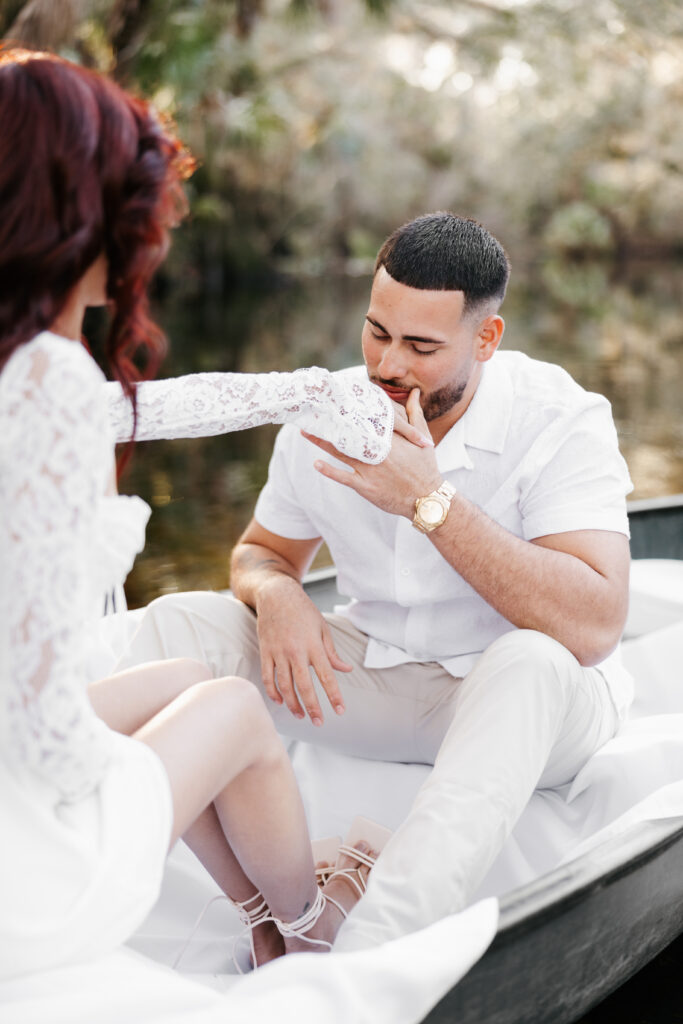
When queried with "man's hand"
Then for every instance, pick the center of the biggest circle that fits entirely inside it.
(409, 471)
(294, 638)
(418, 434)
(266, 574)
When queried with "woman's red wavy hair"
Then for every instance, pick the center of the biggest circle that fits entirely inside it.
(85, 168)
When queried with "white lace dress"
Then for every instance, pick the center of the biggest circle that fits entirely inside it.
(85, 813)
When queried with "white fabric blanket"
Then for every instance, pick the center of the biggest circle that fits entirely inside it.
(634, 777)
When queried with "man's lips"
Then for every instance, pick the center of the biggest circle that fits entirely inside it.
(398, 394)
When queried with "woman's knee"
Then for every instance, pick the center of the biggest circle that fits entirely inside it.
(242, 703)
(188, 671)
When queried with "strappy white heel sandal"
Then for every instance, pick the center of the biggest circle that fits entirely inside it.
(362, 830)
(375, 836)
(251, 917)
(298, 929)
(255, 911)
(325, 852)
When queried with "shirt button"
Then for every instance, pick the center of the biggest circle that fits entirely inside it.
(405, 572)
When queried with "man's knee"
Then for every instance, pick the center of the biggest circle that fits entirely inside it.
(526, 658)
(199, 606)
(199, 624)
(529, 645)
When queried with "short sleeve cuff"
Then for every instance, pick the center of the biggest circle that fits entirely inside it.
(276, 516)
(569, 520)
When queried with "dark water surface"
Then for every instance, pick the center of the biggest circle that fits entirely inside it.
(617, 332)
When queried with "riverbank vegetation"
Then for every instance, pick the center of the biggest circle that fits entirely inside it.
(320, 124)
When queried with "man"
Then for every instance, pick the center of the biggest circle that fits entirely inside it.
(487, 574)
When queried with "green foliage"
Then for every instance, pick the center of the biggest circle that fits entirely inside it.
(579, 227)
(321, 122)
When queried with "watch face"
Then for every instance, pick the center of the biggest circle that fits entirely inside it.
(431, 511)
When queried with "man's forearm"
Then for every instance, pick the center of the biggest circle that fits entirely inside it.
(253, 567)
(575, 595)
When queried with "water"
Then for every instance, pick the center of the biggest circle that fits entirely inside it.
(618, 332)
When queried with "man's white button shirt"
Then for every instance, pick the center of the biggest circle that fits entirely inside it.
(534, 451)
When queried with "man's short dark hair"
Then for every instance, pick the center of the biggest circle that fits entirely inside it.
(443, 252)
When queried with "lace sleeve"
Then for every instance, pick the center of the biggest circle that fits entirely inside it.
(53, 470)
(353, 414)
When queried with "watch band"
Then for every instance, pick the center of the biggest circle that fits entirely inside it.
(432, 510)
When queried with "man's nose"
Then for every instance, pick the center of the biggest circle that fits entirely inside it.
(392, 365)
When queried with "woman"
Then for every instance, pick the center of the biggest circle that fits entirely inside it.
(92, 799)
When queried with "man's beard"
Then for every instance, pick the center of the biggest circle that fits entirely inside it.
(438, 403)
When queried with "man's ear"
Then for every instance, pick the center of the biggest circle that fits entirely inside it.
(489, 336)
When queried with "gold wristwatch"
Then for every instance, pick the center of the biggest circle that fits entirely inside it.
(431, 511)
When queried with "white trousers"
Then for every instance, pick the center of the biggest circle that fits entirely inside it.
(527, 716)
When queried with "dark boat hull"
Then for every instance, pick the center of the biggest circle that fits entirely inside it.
(657, 527)
(568, 940)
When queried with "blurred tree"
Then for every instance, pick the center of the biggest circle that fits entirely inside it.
(321, 123)
(45, 24)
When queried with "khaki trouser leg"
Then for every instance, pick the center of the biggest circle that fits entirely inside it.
(526, 716)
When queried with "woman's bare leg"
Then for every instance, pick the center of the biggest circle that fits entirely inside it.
(219, 746)
(208, 842)
(217, 734)
(128, 700)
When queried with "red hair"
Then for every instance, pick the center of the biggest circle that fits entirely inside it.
(85, 168)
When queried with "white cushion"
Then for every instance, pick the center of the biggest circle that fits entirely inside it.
(656, 662)
(656, 595)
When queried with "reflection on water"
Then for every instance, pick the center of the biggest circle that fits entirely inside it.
(619, 334)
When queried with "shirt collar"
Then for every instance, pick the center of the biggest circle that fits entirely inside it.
(485, 423)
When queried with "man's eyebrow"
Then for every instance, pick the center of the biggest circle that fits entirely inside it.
(423, 341)
(406, 337)
(377, 324)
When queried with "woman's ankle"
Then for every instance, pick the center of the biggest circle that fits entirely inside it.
(268, 943)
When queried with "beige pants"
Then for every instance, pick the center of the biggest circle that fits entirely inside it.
(526, 716)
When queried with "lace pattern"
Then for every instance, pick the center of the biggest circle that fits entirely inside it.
(355, 415)
(55, 459)
(66, 539)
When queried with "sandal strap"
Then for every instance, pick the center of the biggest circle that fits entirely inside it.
(331, 899)
(359, 855)
(195, 926)
(259, 913)
(252, 916)
(353, 877)
(297, 929)
(322, 874)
